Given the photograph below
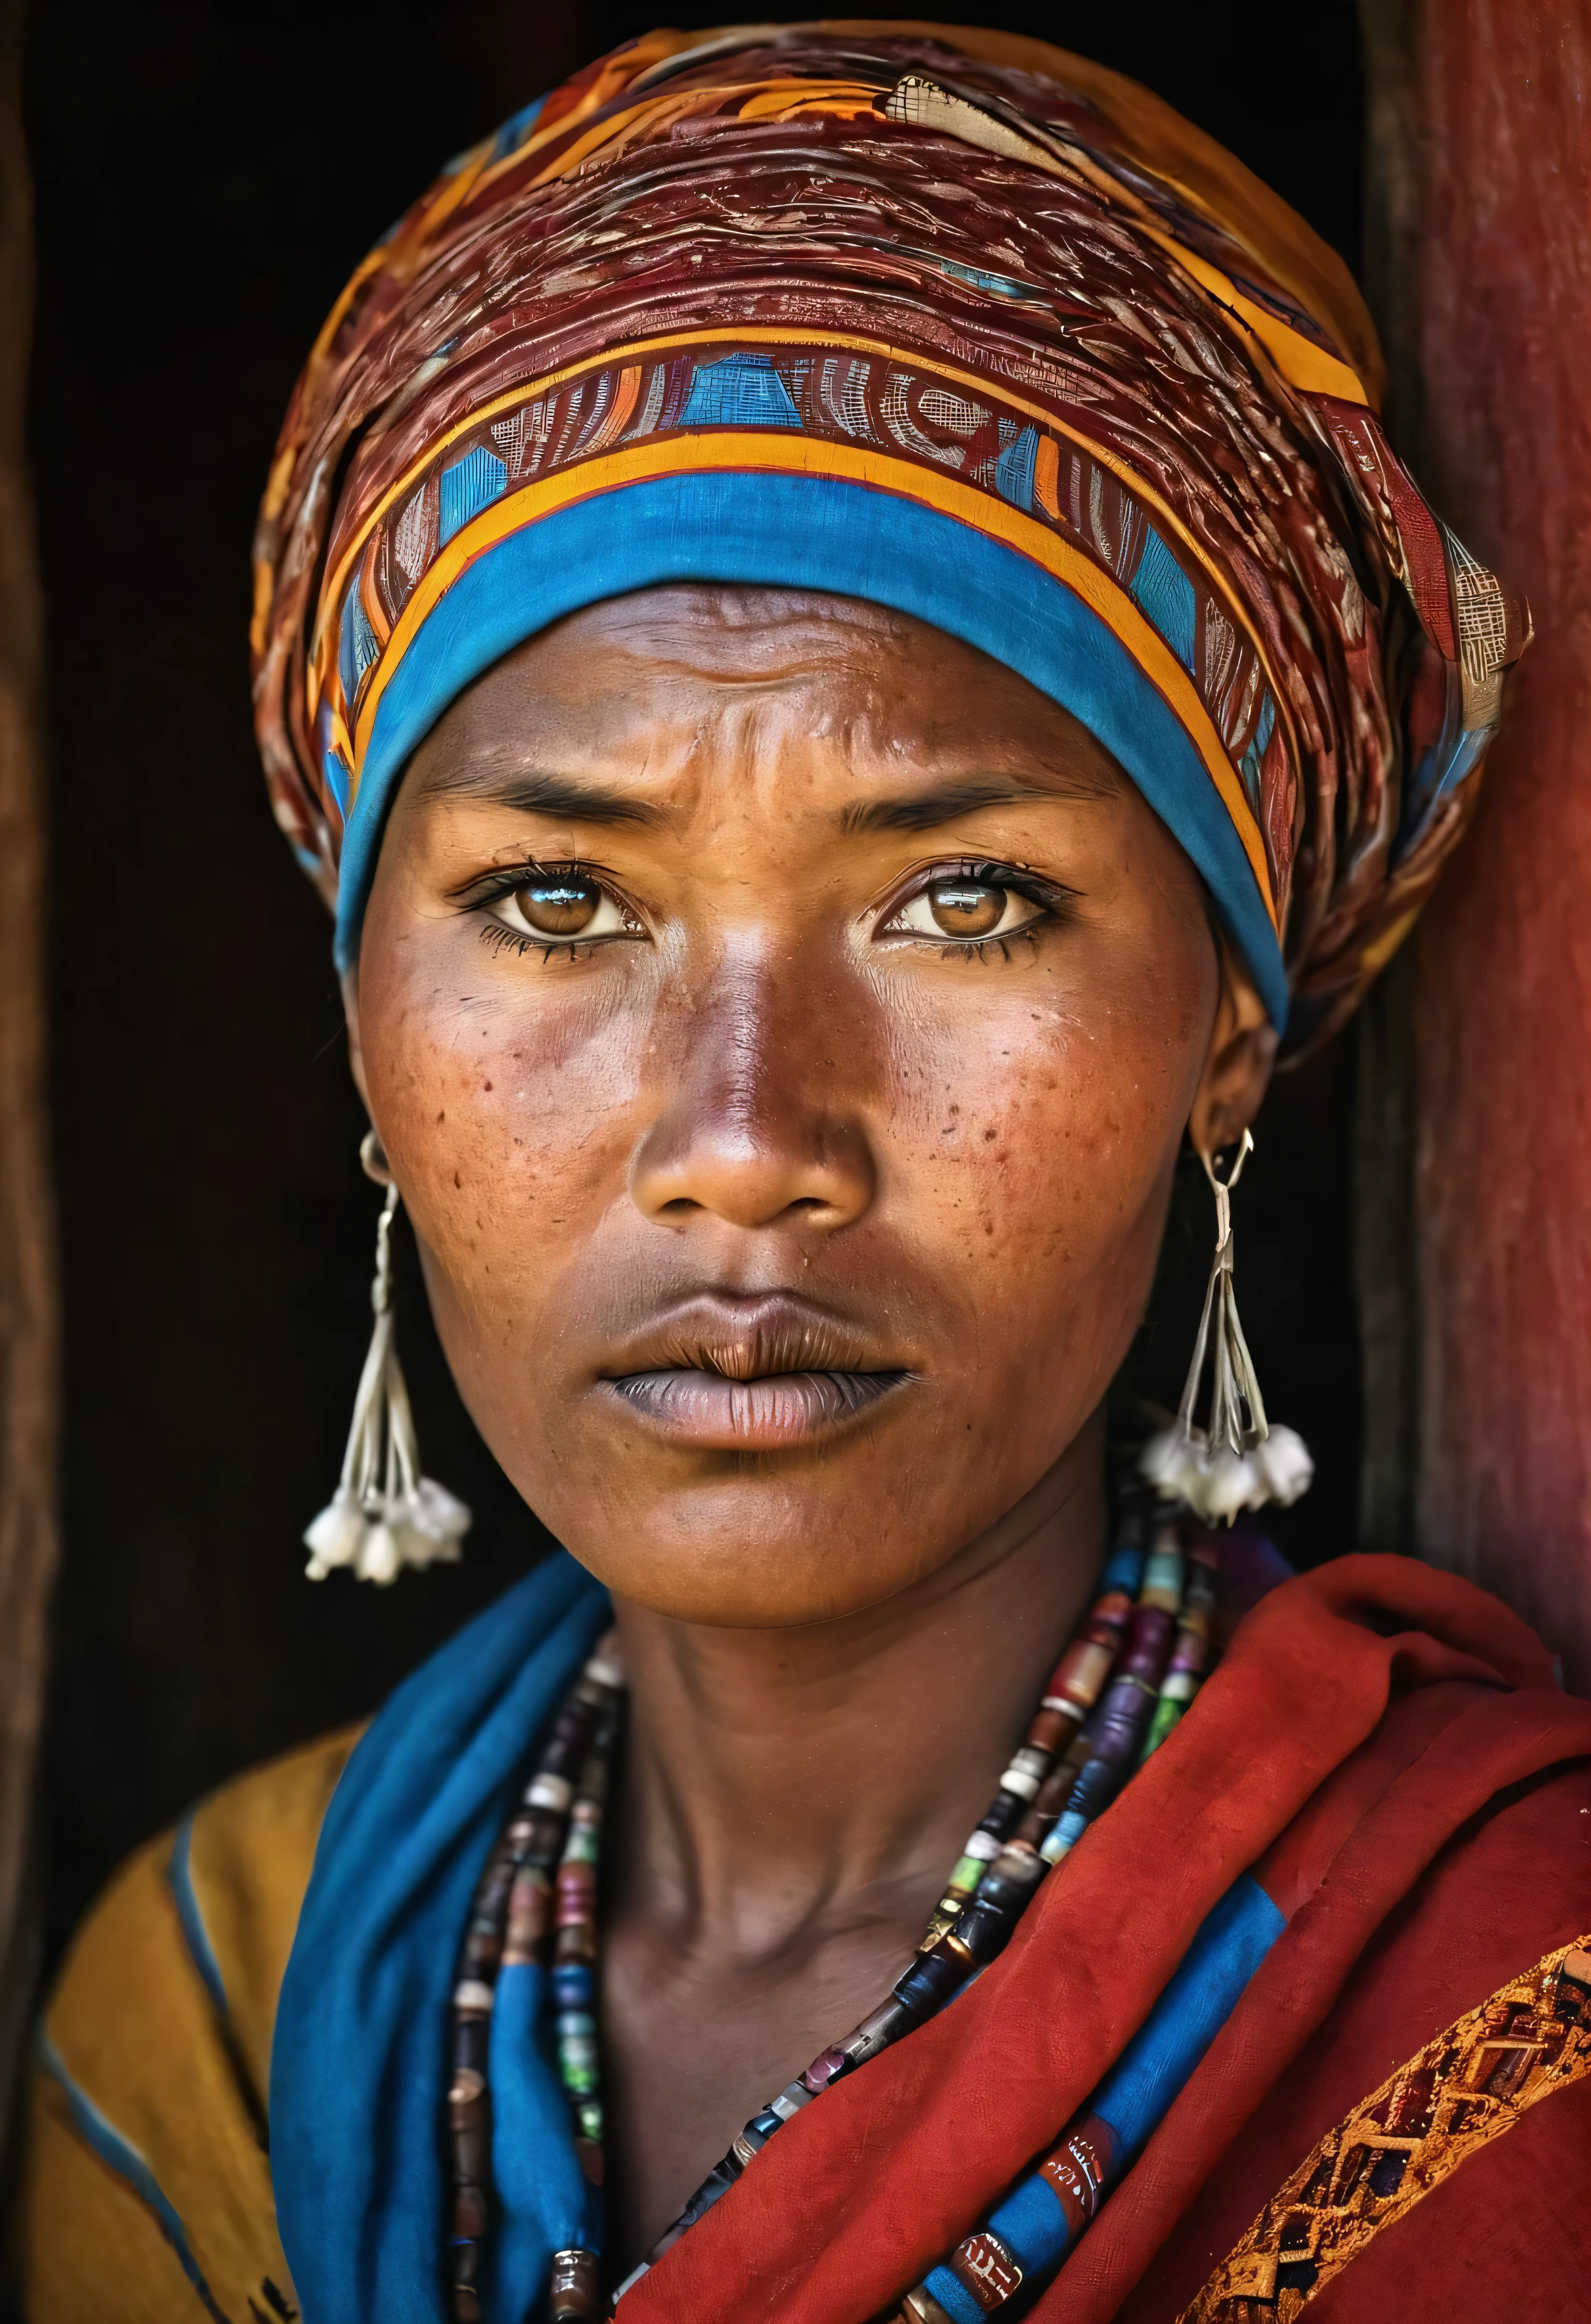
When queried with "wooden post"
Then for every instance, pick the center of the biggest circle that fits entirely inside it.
(1480, 118)
(27, 1291)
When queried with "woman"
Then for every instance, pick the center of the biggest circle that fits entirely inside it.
(838, 628)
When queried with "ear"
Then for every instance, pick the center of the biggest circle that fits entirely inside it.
(350, 981)
(372, 1153)
(1237, 1067)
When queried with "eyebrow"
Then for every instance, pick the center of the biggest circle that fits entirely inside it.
(562, 796)
(927, 809)
(567, 799)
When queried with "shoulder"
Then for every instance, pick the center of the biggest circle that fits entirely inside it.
(147, 2138)
(1459, 2167)
(209, 1908)
(237, 1869)
(1435, 2131)
(1509, 1890)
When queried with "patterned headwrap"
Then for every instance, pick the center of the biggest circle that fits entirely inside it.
(944, 320)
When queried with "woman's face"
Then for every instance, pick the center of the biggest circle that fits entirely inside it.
(781, 1021)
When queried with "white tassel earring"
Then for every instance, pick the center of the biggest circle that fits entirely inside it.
(385, 1515)
(1233, 1464)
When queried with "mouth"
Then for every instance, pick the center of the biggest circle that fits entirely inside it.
(763, 1375)
(754, 1416)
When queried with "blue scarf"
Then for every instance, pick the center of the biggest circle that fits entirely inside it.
(359, 2064)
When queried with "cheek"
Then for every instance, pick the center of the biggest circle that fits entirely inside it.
(1041, 1135)
(1024, 1121)
(508, 1122)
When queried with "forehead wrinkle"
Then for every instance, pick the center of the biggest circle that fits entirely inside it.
(661, 672)
(713, 633)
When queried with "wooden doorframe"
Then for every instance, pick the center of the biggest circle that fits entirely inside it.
(1475, 1187)
(28, 1332)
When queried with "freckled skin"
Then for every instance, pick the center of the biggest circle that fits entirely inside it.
(763, 1093)
(958, 1160)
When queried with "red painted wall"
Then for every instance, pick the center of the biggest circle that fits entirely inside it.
(1499, 333)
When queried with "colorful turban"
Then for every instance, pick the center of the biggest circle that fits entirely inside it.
(944, 320)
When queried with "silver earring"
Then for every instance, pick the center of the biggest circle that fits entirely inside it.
(385, 1515)
(1237, 1463)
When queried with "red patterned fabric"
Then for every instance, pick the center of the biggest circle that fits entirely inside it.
(1510, 1886)
(968, 270)
(1356, 1727)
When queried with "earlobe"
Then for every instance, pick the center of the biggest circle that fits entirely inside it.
(373, 1158)
(1239, 1065)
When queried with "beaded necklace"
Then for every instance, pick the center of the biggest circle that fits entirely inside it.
(1131, 1669)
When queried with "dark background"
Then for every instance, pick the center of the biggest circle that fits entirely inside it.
(207, 175)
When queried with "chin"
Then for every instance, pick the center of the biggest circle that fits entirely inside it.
(751, 1554)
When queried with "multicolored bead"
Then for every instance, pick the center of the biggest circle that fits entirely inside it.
(538, 1894)
(575, 2294)
(1126, 1677)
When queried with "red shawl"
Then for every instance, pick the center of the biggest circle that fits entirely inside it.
(1384, 1748)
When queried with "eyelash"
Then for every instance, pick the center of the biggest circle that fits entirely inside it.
(499, 936)
(1050, 899)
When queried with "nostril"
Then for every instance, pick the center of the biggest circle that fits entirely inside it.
(799, 1174)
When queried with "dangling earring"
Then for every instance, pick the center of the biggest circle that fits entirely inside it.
(385, 1515)
(1228, 1466)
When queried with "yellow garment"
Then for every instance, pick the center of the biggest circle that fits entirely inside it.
(146, 2195)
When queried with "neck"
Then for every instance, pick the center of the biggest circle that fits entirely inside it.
(781, 1782)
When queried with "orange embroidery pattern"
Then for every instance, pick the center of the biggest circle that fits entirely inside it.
(1463, 2090)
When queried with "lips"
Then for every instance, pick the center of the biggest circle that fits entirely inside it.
(762, 1374)
(753, 1416)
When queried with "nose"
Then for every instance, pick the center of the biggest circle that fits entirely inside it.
(763, 1127)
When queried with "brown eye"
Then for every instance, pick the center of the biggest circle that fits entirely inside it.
(568, 910)
(966, 908)
(561, 910)
(558, 906)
